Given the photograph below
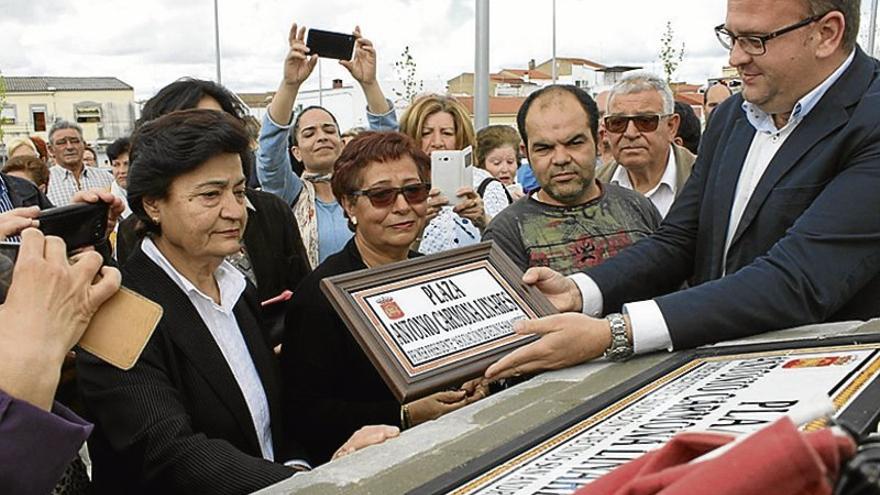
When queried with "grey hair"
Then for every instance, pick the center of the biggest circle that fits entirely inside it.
(637, 82)
(64, 124)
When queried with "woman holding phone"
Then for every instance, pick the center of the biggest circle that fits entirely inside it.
(438, 122)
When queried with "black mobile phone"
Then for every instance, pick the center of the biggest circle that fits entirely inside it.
(80, 224)
(328, 44)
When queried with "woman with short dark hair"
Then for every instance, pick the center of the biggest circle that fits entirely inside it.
(272, 254)
(199, 411)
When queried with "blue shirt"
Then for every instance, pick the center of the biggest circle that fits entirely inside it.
(525, 177)
(6, 205)
(333, 231)
(5, 200)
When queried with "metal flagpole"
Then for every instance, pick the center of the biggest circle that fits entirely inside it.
(481, 69)
(554, 71)
(217, 39)
(872, 28)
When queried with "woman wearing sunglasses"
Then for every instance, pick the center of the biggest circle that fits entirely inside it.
(331, 388)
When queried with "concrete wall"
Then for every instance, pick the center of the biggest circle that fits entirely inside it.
(435, 448)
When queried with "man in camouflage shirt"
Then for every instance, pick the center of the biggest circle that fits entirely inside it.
(573, 222)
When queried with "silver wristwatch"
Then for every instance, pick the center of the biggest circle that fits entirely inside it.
(621, 348)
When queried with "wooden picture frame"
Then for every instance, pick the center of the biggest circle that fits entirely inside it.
(434, 322)
(856, 396)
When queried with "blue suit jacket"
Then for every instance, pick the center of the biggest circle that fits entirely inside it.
(807, 248)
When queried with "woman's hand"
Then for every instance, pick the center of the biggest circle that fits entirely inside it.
(436, 201)
(298, 64)
(14, 221)
(49, 305)
(471, 207)
(476, 389)
(362, 66)
(366, 436)
(436, 405)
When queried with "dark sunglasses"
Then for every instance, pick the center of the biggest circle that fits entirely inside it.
(383, 197)
(644, 123)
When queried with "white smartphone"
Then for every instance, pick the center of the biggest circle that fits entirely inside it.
(452, 170)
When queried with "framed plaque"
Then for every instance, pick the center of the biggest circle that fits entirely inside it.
(735, 390)
(434, 322)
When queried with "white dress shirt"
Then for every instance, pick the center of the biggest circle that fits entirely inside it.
(223, 326)
(663, 194)
(649, 328)
(63, 184)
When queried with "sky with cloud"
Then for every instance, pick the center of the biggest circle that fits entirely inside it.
(151, 43)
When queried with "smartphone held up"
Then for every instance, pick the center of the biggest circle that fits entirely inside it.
(329, 44)
(451, 170)
(79, 225)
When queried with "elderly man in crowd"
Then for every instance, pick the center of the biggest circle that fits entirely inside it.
(641, 125)
(777, 226)
(573, 222)
(70, 174)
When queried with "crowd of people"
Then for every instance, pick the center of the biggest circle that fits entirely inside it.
(644, 234)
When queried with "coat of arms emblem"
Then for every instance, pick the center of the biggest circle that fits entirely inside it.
(390, 307)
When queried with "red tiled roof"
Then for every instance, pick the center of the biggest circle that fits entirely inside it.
(498, 105)
(501, 79)
(576, 61)
(685, 87)
(533, 73)
(257, 99)
(690, 98)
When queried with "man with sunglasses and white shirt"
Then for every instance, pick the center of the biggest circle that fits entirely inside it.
(777, 225)
(640, 125)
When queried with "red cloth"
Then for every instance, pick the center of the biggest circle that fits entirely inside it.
(778, 459)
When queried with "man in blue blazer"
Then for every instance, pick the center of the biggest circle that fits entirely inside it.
(779, 224)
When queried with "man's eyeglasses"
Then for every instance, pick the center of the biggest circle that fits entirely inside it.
(644, 123)
(383, 197)
(756, 44)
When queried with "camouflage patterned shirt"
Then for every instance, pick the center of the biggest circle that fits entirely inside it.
(573, 238)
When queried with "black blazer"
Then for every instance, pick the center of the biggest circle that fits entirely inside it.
(330, 387)
(807, 248)
(273, 243)
(23, 192)
(177, 421)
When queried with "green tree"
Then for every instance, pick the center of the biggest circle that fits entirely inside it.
(670, 56)
(405, 69)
